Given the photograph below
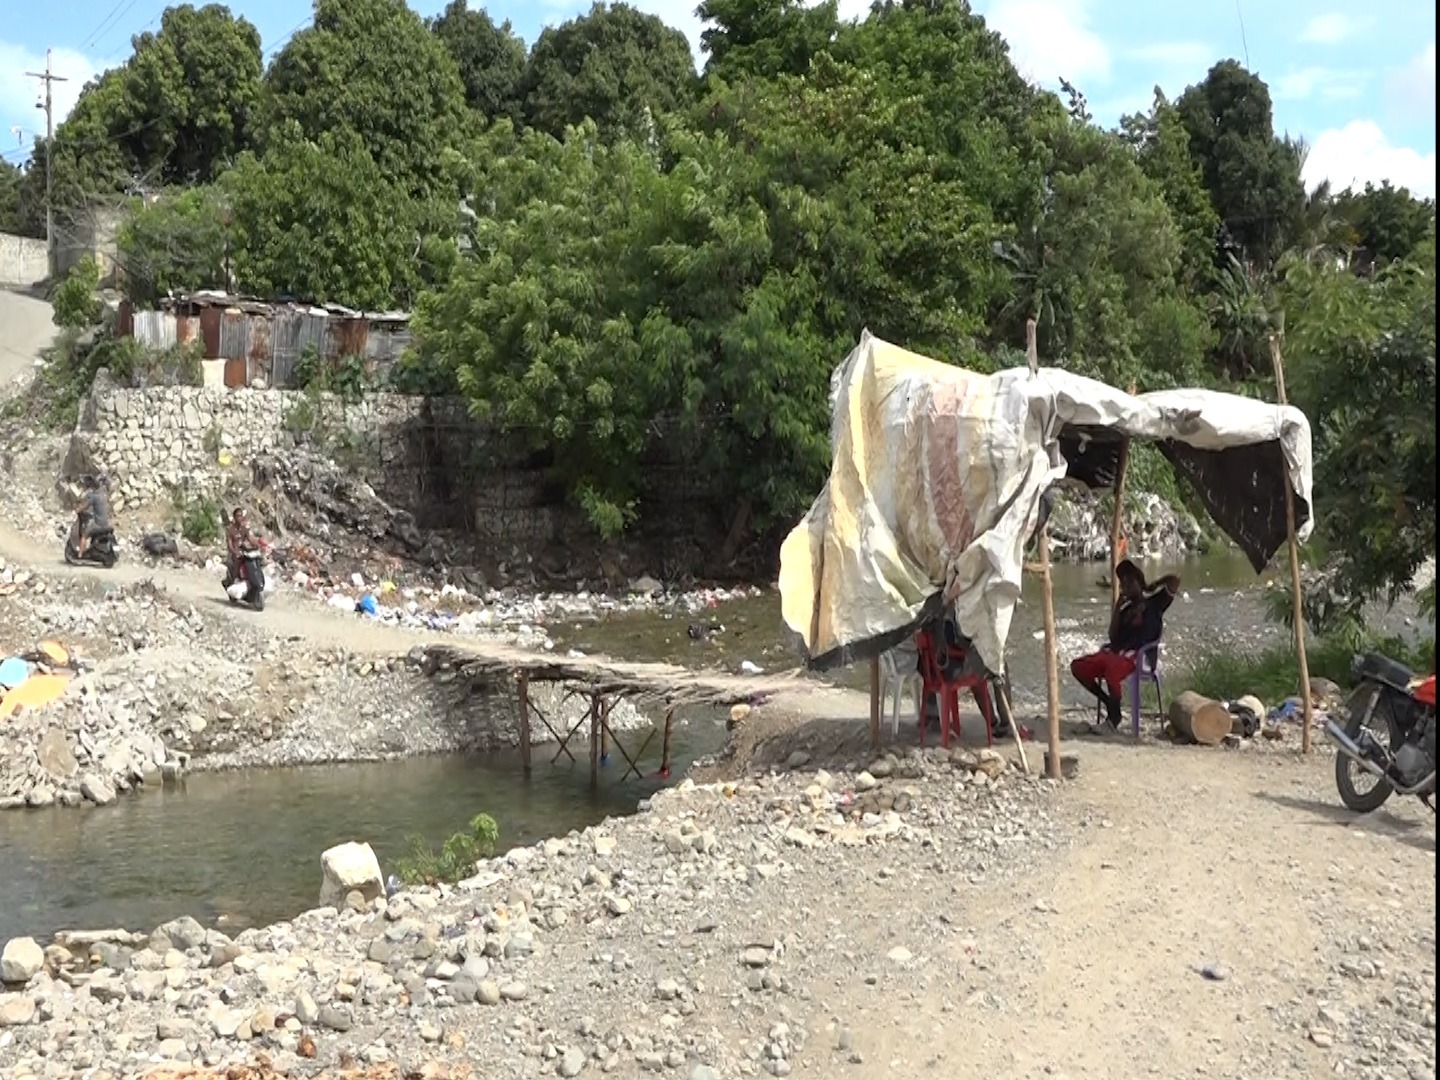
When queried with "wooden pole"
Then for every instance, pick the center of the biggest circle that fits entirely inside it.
(604, 733)
(665, 743)
(1117, 520)
(1298, 596)
(1047, 605)
(594, 742)
(875, 703)
(524, 689)
(1052, 669)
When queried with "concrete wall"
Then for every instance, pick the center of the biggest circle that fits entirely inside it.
(22, 260)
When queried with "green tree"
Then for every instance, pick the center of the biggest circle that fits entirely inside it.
(1253, 177)
(1361, 358)
(615, 65)
(75, 305)
(765, 38)
(177, 111)
(1388, 223)
(490, 58)
(318, 220)
(372, 68)
(1162, 147)
(177, 244)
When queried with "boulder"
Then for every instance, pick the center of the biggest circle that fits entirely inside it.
(55, 755)
(348, 867)
(21, 960)
(97, 789)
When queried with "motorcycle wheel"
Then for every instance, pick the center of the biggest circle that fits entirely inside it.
(71, 558)
(1346, 770)
(108, 559)
(257, 599)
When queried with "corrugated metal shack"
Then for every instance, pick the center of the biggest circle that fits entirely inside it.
(261, 340)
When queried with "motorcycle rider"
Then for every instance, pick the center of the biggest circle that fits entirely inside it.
(237, 541)
(92, 512)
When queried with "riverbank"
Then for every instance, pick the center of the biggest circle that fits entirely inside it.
(912, 915)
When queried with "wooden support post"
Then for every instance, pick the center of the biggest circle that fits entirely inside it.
(604, 733)
(665, 743)
(524, 691)
(1052, 671)
(875, 703)
(1295, 587)
(1117, 520)
(594, 742)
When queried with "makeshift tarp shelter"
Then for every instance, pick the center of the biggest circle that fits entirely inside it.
(938, 476)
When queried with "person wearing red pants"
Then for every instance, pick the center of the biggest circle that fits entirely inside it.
(1137, 620)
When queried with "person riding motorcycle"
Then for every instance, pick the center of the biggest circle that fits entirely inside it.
(237, 541)
(92, 512)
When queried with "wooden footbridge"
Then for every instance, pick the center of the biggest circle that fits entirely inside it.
(601, 683)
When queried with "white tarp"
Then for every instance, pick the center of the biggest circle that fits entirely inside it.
(936, 479)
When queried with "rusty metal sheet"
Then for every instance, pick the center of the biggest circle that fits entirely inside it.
(346, 337)
(235, 372)
(232, 335)
(154, 329)
(210, 331)
(187, 329)
(125, 319)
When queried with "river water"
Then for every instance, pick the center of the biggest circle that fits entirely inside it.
(243, 848)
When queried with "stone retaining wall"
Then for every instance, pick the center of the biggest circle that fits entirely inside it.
(423, 455)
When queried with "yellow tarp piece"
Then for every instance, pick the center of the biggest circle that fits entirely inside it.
(34, 693)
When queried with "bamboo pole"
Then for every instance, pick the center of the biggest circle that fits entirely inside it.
(1052, 668)
(1117, 520)
(875, 703)
(1298, 596)
(524, 689)
(605, 734)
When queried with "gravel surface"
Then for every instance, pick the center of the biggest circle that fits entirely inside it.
(1168, 912)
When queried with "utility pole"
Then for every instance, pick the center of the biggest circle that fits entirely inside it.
(49, 79)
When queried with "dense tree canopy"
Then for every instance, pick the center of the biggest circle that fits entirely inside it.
(605, 249)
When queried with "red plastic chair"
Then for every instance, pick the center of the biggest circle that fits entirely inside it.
(947, 690)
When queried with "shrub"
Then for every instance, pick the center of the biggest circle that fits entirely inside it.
(75, 305)
(1273, 674)
(456, 858)
(198, 518)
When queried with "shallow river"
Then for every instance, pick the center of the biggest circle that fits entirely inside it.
(243, 849)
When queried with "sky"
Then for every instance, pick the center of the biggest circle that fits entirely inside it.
(1359, 88)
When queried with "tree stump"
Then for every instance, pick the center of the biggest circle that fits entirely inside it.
(1198, 719)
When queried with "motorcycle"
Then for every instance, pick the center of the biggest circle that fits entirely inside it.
(1405, 763)
(99, 552)
(249, 589)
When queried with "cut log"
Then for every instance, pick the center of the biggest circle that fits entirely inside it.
(1199, 719)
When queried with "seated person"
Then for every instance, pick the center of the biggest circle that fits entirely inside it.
(996, 706)
(1137, 621)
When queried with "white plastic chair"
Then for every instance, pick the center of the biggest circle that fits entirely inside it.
(897, 675)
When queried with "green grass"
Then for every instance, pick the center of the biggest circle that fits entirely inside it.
(1273, 674)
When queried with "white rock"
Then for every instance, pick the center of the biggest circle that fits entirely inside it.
(350, 867)
(21, 961)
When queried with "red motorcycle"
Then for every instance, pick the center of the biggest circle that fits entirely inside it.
(1389, 693)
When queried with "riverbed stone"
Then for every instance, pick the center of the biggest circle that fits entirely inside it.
(97, 789)
(347, 867)
(55, 755)
(21, 960)
(16, 1010)
(183, 933)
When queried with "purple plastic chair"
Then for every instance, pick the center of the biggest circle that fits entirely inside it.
(1147, 668)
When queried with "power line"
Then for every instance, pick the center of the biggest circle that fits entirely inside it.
(110, 22)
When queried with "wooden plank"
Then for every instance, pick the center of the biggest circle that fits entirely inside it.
(523, 688)
(1052, 667)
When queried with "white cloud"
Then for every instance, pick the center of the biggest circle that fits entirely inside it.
(1050, 40)
(1331, 84)
(1177, 54)
(1330, 29)
(20, 93)
(1412, 87)
(1359, 153)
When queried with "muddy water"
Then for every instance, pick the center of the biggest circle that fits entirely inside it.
(243, 849)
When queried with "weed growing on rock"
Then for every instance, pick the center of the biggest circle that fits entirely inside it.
(198, 518)
(456, 858)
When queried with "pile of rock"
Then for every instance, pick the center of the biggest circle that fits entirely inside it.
(1080, 527)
